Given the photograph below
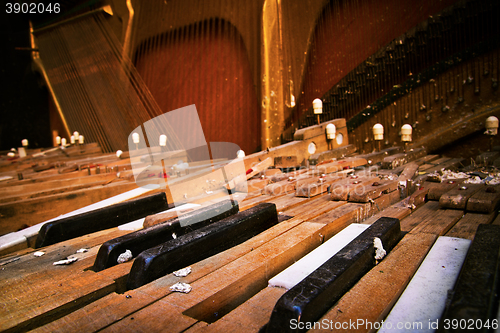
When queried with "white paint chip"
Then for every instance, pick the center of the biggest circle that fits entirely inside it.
(379, 249)
(38, 253)
(183, 272)
(181, 287)
(124, 257)
(67, 261)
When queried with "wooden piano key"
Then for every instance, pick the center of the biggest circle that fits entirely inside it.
(395, 161)
(374, 190)
(343, 189)
(467, 226)
(486, 200)
(458, 197)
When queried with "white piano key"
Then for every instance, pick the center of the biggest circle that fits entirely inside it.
(310, 262)
(423, 301)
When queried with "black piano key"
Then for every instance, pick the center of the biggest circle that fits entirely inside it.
(201, 244)
(144, 239)
(319, 291)
(100, 219)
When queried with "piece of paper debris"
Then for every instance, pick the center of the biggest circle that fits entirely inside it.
(82, 251)
(124, 257)
(38, 253)
(379, 249)
(65, 261)
(181, 287)
(183, 272)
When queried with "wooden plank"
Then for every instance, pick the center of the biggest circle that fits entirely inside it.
(343, 189)
(486, 200)
(395, 161)
(474, 295)
(100, 219)
(343, 164)
(200, 244)
(141, 240)
(439, 223)
(409, 172)
(308, 300)
(378, 157)
(373, 191)
(399, 210)
(436, 190)
(33, 303)
(451, 164)
(466, 227)
(427, 211)
(386, 283)
(336, 153)
(113, 306)
(286, 162)
(33, 211)
(427, 292)
(317, 185)
(280, 188)
(248, 317)
(457, 198)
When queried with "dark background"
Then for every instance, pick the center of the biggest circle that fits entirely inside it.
(24, 108)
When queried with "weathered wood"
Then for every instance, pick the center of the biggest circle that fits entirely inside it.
(386, 283)
(336, 153)
(373, 191)
(286, 162)
(439, 223)
(343, 164)
(342, 189)
(32, 211)
(409, 172)
(100, 219)
(436, 190)
(317, 185)
(281, 187)
(466, 227)
(474, 297)
(200, 244)
(141, 240)
(308, 300)
(457, 198)
(395, 161)
(486, 200)
(378, 157)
